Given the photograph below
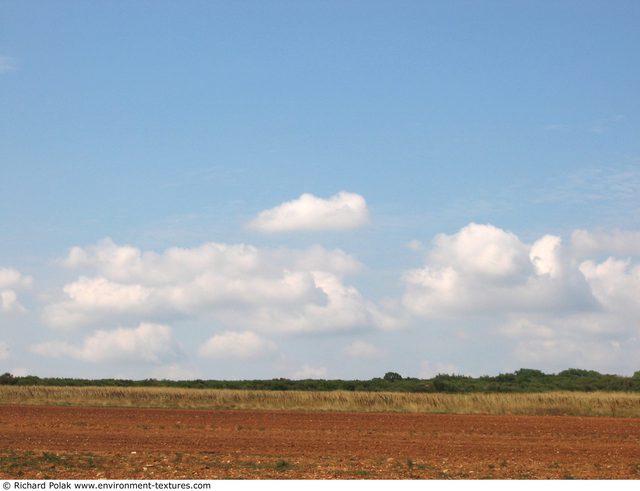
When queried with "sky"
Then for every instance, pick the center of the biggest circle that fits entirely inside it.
(321, 189)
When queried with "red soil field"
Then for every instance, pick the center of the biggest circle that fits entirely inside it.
(81, 442)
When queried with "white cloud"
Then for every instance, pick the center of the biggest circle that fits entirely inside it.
(545, 255)
(9, 303)
(482, 250)
(484, 270)
(616, 285)
(245, 345)
(147, 343)
(10, 281)
(536, 296)
(10, 278)
(617, 242)
(339, 212)
(362, 349)
(551, 306)
(309, 372)
(4, 350)
(239, 285)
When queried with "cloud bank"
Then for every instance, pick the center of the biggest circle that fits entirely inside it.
(544, 302)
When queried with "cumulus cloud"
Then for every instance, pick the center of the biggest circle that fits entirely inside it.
(484, 270)
(9, 303)
(281, 290)
(362, 349)
(484, 251)
(147, 343)
(10, 281)
(545, 256)
(245, 345)
(615, 283)
(549, 302)
(10, 278)
(618, 242)
(342, 211)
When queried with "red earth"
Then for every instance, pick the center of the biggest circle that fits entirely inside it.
(87, 443)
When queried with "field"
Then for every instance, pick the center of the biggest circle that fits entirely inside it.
(80, 433)
(616, 404)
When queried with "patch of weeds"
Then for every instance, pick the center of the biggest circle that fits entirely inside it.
(11, 462)
(282, 465)
(523, 475)
(91, 462)
(410, 464)
(18, 464)
(361, 473)
(554, 465)
(568, 476)
(492, 466)
(504, 463)
(635, 468)
(178, 458)
(51, 458)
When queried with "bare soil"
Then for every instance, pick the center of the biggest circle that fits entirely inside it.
(87, 443)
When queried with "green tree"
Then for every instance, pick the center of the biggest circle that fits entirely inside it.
(7, 379)
(391, 376)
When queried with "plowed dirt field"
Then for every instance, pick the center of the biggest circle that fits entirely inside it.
(81, 442)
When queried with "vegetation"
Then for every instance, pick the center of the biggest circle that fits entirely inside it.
(548, 403)
(45, 464)
(523, 380)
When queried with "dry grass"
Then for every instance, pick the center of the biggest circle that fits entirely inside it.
(549, 403)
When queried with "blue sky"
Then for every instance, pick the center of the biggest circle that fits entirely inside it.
(462, 133)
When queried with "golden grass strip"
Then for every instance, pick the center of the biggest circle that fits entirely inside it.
(617, 404)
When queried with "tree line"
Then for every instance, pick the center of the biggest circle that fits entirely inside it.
(523, 380)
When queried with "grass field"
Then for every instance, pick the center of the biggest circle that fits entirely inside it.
(549, 403)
